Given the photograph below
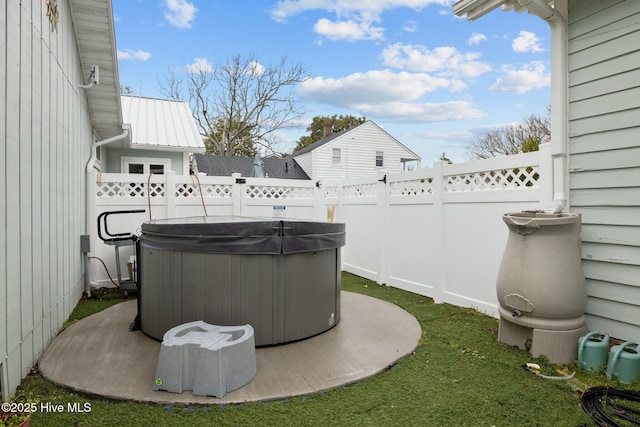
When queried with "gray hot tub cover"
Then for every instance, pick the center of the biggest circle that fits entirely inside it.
(241, 235)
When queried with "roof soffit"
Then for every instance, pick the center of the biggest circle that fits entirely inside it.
(95, 36)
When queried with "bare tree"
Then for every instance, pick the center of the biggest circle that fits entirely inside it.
(512, 139)
(240, 104)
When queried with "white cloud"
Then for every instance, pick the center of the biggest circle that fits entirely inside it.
(354, 19)
(410, 27)
(287, 8)
(531, 76)
(200, 65)
(350, 30)
(371, 87)
(180, 13)
(138, 55)
(527, 42)
(445, 60)
(257, 69)
(476, 38)
(389, 95)
(423, 112)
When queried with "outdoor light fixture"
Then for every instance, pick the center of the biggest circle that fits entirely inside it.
(94, 77)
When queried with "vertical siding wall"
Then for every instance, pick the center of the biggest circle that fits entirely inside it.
(604, 132)
(46, 134)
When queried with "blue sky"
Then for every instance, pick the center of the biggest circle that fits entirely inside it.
(430, 79)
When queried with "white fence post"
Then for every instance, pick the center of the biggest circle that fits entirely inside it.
(383, 227)
(170, 194)
(439, 219)
(238, 196)
(319, 205)
(545, 180)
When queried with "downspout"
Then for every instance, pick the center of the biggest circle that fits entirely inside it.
(559, 97)
(90, 198)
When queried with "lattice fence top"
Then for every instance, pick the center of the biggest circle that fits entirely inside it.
(276, 192)
(414, 187)
(360, 190)
(489, 180)
(129, 189)
(209, 191)
(501, 179)
(331, 192)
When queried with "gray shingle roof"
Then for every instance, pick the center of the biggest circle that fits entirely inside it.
(274, 167)
(322, 141)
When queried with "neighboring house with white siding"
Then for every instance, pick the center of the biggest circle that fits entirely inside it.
(596, 125)
(360, 151)
(163, 134)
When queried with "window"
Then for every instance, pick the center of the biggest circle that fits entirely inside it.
(379, 158)
(156, 168)
(139, 165)
(136, 168)
(335, 158)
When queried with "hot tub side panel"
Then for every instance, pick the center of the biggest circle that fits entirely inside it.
(160, 292)
(282, 278)
(229, 290)
(308, 292)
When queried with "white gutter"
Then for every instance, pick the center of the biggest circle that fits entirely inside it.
(90, 197)
(555, 17)
(559, 98)
(95, 145)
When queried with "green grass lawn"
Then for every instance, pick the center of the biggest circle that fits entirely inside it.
(459, 375)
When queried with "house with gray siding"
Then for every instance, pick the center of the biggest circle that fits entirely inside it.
(363, 150)
(604, 144)
(53, 120)
(595, 114)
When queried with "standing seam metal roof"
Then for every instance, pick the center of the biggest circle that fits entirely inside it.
(161, 124)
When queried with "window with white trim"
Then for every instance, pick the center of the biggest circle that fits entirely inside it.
(335, 156)
(379, 158)
(145, 165)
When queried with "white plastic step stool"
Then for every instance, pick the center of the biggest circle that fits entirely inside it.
(207, 359)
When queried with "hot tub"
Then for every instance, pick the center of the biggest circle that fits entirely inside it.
(280, 276)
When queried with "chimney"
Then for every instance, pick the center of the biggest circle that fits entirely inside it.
(327, 129)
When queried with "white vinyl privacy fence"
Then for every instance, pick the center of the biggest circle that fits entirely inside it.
(437, 232)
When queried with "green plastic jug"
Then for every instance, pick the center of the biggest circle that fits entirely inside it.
(624, 362)
(592, 351)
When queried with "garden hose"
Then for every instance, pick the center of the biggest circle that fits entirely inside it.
(606, 406)
(535, 369)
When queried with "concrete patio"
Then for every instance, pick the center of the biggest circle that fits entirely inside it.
(99, 356)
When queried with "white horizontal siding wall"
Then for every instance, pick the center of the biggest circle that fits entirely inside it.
(358, 149)
(306, 163)
(604, 126)
(46, 135)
